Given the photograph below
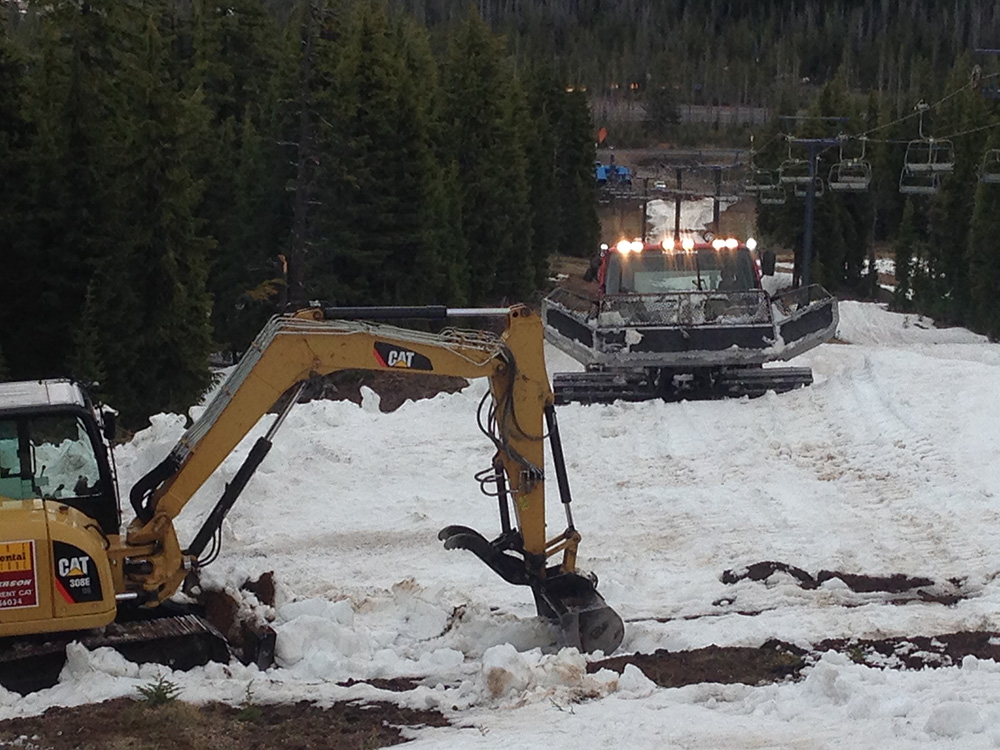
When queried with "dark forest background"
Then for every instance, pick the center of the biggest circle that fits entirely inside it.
(176, 171)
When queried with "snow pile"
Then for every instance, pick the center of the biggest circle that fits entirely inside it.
(864, 323)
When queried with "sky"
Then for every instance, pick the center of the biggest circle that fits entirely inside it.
(889, 463)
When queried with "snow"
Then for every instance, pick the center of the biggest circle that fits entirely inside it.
(695, 215)
(888, 463)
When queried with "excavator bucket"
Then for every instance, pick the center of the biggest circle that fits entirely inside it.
(586, 620)
(570, 599)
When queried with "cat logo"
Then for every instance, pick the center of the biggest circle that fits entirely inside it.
(77, 578)
(396, 357)
(73, 566)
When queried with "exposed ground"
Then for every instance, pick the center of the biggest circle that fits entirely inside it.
(125, 724)
(139, 724)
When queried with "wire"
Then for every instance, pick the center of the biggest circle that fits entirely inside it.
(916, 113)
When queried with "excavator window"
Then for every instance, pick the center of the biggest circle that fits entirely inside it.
(48, 456)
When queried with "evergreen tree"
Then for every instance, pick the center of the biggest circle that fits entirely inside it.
(905, 251)
(579, 230)
(951, 209)
(545, 156)
(983, 257)
(438, 266)
(376, 178)
(70, 214)
(481, 128)
(15, 137)
(227, 51)
(148, 300)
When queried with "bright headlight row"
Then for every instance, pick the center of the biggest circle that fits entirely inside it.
(635, 246)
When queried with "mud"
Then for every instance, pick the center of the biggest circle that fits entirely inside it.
(903, 587)
(135, 724)
(776, 661)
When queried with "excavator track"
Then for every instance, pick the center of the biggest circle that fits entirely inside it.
(602, 387)
(180, 642)
(756, 381)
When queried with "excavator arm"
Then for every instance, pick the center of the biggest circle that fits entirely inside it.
(518, 416)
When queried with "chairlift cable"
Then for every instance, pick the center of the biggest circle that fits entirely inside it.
(929, 107)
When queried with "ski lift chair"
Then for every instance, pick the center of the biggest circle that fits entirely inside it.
(850, 175)
(759, 181)
(772, 196)
(929, 155)
(918, 183)
(989, 169)
(802, 190)
(795, 172)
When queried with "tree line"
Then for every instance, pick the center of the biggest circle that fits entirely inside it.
(736, 52)
(175, 171)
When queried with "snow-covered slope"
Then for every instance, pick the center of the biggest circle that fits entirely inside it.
(889, 463)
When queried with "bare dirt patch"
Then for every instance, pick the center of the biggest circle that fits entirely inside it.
(776, 661)
(772, 662)
(905, 587)
(124, 723)
(393, 388)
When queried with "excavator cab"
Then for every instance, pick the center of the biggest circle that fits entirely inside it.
(53, 447)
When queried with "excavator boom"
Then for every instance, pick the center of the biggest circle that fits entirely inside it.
(69, 574)
(293, 349)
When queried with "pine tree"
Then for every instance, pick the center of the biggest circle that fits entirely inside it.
(580, 230)
(15, 139)
(69, 215)
(168, 250)
(144, 326)
(480, 113)
(366, 247)
(983, 258)
(542, 149)
(439, 262)
(905, 251)
(233, 62)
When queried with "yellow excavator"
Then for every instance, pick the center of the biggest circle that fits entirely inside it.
(65, 567)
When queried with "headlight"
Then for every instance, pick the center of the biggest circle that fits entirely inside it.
(751, 244)
(623, 246)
